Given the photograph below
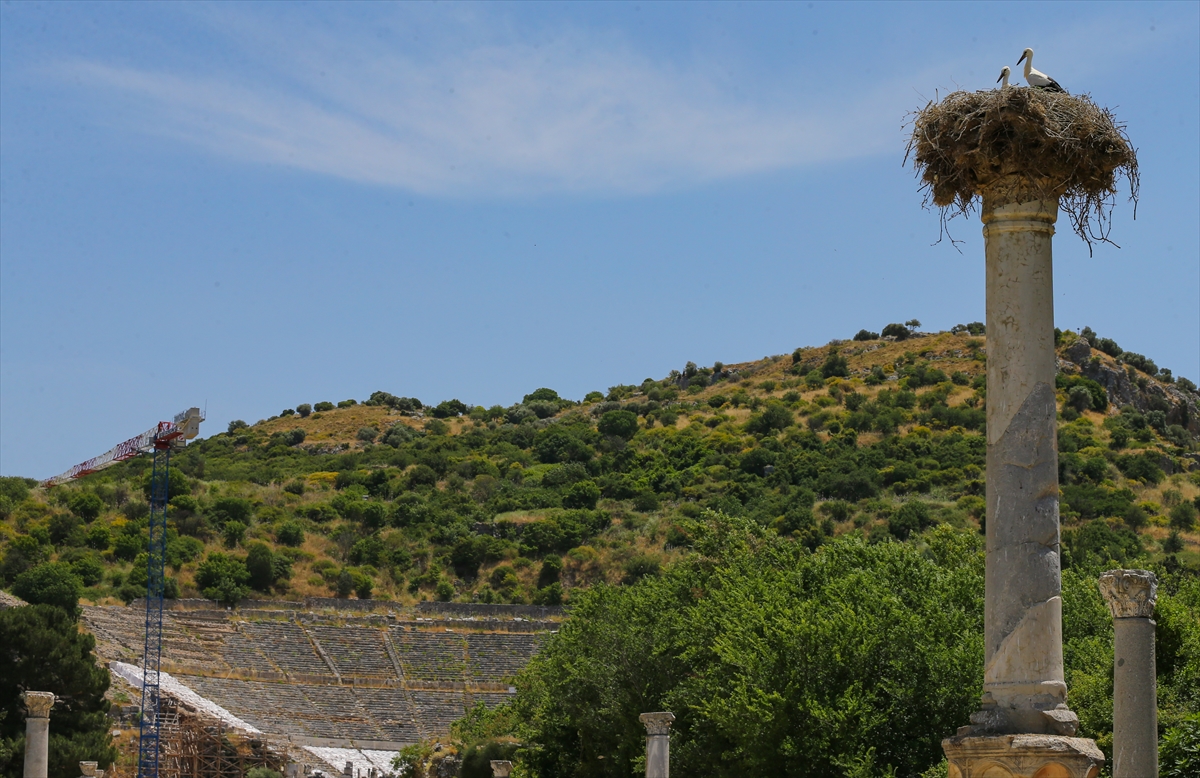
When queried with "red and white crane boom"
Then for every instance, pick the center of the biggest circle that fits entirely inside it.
(185, 426)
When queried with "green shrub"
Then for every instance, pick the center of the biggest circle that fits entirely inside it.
(304, 409)
(367, 434)
(866, 335)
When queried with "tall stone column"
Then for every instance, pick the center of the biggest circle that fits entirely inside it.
(37, 733)
(1023, 724)
(501, 768)
(1131, 596)
(658, 743)
(1023, 684)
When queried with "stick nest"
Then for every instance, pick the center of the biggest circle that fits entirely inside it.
(1057, 146)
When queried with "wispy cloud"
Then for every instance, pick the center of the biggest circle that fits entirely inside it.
(573, 115)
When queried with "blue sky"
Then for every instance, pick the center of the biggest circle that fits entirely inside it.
(258, 205)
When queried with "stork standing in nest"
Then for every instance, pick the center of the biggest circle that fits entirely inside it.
(1036, 78)
(1004, 74)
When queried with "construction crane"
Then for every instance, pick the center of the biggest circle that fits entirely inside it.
(157, 441)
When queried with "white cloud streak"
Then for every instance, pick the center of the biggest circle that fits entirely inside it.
(569, 116)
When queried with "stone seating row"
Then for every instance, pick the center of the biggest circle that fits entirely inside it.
(355, 650)
(431, 656)
(495, 656)
(337, 712)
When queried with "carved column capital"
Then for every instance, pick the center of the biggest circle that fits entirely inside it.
(1130, 593)
(38, 704)
(657, 723)
(88, 769)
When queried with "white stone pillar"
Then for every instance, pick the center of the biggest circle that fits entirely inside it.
(1131, 596)
(658, 743)
(1024, 690)
(1023, 727)
(37, 733)
(501, 768)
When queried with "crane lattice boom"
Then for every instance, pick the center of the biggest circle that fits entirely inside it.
(185, 426)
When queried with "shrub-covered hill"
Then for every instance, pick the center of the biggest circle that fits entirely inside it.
(392, 498)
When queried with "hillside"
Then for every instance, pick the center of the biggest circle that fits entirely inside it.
(391, 498)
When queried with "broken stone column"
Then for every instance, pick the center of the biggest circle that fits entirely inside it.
(1024, 688)
(37, 732)
(1131, 596)
(501, 768)
(658, 743)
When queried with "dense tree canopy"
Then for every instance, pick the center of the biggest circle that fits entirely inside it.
(42, 649)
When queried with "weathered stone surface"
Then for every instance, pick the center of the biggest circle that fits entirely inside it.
(501, 768)
(657, 723)
(1130, 593)
(1022, 756)
(1080, 351)
(88, 769)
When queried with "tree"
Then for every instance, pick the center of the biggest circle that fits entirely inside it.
(583, 494)
(619, 423)
(897, 331)
(234, 532)
(913, 324)
(50, 583)
(1183, 516)
(86, 506)
(541, 395)
(222, 578)
(776, 661)
(235, 425)
(344, 585)
(909, 518)
(42, 649)
(322, 406)
(835, 365)
(304, 409)
(866, 335)
(260, 566)
(449, 408)
(1079, 398)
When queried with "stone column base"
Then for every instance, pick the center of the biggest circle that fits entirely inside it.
(1022, 756)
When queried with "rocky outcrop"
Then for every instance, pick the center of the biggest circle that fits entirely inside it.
(1180, 407)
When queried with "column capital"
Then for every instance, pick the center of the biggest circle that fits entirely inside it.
(38, 704)
(657, 723)
(501, 768)
(88, 768)
(1130, 593)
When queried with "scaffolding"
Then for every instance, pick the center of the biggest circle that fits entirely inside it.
(195, 746)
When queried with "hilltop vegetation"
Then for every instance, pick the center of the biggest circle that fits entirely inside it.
(394, 498)
(777, 550)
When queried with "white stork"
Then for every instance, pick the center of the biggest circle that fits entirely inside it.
(1036, 78)
(1004, 74)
